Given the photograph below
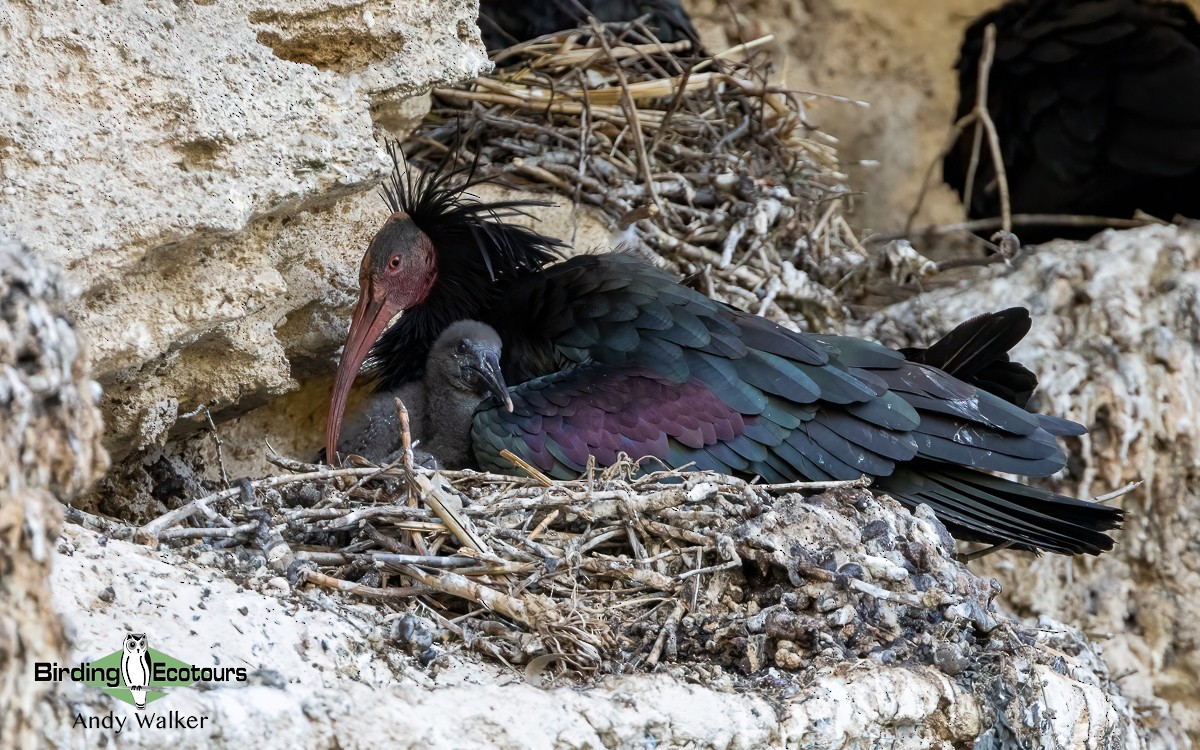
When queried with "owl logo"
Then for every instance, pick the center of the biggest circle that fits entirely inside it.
(135, 667)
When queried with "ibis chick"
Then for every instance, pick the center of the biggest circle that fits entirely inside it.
(461, 372)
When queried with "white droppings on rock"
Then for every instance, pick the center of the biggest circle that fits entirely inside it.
(881, 568)
(324, 672)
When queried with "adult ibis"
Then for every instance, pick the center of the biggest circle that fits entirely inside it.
(1097, 108)
(606, 354)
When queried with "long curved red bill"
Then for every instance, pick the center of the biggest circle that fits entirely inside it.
(371, 317)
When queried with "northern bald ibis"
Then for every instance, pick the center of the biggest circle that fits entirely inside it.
(607, 353)
(1097, 108)
(461, 372)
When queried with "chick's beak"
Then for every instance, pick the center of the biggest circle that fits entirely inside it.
(487, 364)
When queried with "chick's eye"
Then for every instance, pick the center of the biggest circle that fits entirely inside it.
(462, 347)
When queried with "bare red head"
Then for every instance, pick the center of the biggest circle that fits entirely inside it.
(397, 272)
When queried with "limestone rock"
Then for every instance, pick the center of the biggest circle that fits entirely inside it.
(1116, 344)
(184, 161)
(49, 451)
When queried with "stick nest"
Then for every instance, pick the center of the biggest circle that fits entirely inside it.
(697, 159)
(615, 572)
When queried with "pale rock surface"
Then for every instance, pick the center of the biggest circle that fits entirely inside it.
(183, 163)
(49, 451)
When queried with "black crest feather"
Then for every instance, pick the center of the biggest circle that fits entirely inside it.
(478, 256)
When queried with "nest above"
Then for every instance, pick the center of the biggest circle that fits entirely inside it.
(699, 160)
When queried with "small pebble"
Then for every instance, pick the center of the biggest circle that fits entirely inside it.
(109, 595)
(852, 570)
(829, 601)
(403, 629)
(786, 656)
(279, 583)
(882, 569)
(923, 582)
(950, 660)
(795, 602)
(970, 610)
(843, 616)
(421, 640)
(426, 657)
(874, 529)
(270, 678)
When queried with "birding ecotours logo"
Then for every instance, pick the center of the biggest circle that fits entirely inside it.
(136, 667)
(136, 674)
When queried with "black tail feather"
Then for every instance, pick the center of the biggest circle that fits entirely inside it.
(977, 352)
(981, 507)
(985, 508)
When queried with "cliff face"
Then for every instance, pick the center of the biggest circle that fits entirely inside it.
(1116, 343)
(202, 172)
(49, 452)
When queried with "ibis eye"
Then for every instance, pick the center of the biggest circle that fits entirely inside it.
(462, 347)
(395, 261)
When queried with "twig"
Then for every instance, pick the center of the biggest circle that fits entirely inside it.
(464, 588)
(1018, 220)
(985, 117)
(148, 534)
(863, 481)
(669, 625)
(225, 532)
(212, 426)
(710, 569)
(984, 552)
(617, 569)
(982, 119)
(434, 492)
(371, 592)
(728, 551)
(736, 49)
(631, 114)
(545, 522)
(1117, 493)
(527, 467)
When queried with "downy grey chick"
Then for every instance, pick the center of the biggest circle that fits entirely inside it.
(462, 370)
